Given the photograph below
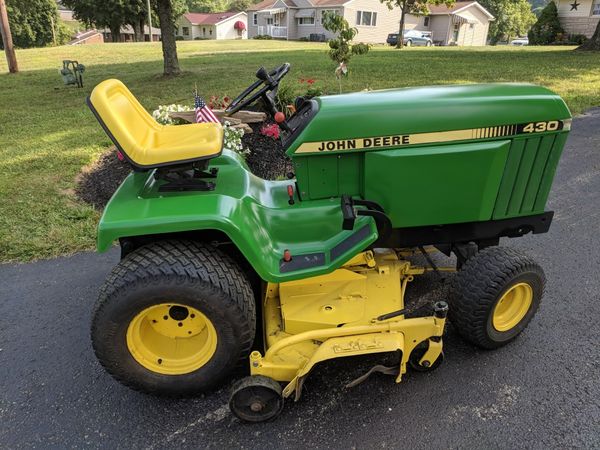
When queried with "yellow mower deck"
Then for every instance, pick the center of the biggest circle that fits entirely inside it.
(342, 314)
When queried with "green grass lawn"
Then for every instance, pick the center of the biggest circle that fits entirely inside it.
(47, 133)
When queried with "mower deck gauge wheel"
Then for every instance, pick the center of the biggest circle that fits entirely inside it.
(256, 399)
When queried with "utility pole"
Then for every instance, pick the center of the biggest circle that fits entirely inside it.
(149, 20)
(11, 58)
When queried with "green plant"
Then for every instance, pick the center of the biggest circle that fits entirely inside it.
(179, 38)
(340, 48)
(577, 39)
(161, 115)
(285, 96)
(263, 37)
(547, 29)
(232, 139)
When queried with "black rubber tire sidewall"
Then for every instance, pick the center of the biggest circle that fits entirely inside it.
(131, 288)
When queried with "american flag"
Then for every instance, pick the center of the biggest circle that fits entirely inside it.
(203, 112)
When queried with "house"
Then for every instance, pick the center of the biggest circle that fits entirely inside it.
(225, 25)
(464, 24)
(128, 34)
(303, 19)
(87, 37)
(579, 16)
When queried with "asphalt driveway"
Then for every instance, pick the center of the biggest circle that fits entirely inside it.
(541, 391)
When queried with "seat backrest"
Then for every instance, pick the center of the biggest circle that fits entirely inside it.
(125, 120)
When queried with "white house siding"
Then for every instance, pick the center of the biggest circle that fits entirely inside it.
(474, 34)
(440, 28)
(226, 28)
(387, 21)
(298, 30)
(580, 21)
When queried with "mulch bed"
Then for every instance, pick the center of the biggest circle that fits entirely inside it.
(97, 183)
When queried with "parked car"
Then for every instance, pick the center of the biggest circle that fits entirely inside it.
(411, 38)
(520, 41)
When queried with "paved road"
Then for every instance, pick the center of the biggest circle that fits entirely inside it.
(541, 391)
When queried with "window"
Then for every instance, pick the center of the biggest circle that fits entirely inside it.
(596, 8)
(306, 20)
(366, 18)
(426, 21)
(330, 11)
(186, 31)
(254, 19)
(269, 21)
(455, 32)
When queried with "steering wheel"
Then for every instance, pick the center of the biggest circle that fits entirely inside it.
(269, 82)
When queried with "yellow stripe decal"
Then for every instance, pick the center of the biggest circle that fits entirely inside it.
(401, 140)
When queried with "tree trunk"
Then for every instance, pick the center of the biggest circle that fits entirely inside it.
(7, 41)
(593, 43)
(169, 45)
(400, 43)
(138, 31)
(115, 33)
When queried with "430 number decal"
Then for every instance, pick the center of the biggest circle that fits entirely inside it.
(540, 127)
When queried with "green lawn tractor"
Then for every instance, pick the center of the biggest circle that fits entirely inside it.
(219, 267)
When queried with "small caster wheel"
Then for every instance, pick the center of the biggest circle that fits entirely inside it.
(417, 354)
(256, 399)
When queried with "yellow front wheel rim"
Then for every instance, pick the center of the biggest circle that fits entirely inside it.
(512, 307)
(171, 339)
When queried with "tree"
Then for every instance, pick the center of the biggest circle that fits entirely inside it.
(412, 7)
(341, 48)
(34, 23)
(547, 28)
(593, 43)
(207, 6)
(239, 5)
(513, 18)
(111, 14)
(166, 17)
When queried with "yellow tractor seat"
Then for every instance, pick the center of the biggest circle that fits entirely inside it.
(145, 143)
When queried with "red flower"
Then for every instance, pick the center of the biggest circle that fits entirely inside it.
(311, 80)
(226, 101)
(271, 130)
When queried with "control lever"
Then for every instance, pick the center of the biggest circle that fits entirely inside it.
(348, 213)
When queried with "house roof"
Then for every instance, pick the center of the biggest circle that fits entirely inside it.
(456, 8)
(209, 18)
(268, 4)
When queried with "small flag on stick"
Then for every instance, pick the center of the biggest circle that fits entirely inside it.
(203, 112)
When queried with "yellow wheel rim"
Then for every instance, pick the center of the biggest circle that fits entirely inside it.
(171, 339)
(512, 307)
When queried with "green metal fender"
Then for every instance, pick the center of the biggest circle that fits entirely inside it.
(255, 214)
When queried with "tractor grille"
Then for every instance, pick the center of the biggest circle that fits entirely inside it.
(528, 175)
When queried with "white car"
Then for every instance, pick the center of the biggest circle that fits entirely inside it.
(520, 41)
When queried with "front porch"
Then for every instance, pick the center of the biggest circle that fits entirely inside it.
(274, 31)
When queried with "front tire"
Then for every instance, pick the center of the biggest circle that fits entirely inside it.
(174, 318)
(495, 295)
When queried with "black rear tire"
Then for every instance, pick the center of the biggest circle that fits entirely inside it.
(194, 275)
(482, 282)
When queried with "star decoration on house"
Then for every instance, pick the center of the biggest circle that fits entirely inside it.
(574, 5)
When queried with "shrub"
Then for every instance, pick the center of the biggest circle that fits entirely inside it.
(179, 38)
(547, 29)
(577, 39)
(263, 37)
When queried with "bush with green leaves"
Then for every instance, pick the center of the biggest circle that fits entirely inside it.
(547, 29)
(264, 37)
(341, 48)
